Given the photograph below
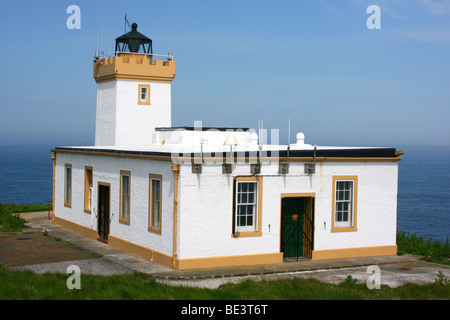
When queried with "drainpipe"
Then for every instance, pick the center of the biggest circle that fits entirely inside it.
(54, 168)
(176, 172)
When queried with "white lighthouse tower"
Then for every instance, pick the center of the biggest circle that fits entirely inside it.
(133, 93)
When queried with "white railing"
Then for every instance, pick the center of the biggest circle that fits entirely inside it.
(102, 56)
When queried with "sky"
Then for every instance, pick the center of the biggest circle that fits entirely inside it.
(316, 63)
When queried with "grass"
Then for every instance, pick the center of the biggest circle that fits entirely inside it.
(10, 221)
(26, 285)
(433, 251)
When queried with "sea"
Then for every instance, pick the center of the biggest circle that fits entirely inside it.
(423, 206)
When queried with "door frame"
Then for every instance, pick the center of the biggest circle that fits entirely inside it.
(105, 184)
(307, 250)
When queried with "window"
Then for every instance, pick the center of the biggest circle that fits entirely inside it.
(125, 197)
(68, 185)
(144, 94)
(155, 203)
(88, 189)
(247, 206)
(344, 203)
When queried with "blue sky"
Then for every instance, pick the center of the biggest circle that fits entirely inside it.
(315, 62)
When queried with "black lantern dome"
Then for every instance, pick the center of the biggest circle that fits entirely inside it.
(134, 41)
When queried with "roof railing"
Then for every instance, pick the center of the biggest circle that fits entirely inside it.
(99, 57)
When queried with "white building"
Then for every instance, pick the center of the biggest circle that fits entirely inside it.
(192, 197)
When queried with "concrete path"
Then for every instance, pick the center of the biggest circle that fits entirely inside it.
(94, 257)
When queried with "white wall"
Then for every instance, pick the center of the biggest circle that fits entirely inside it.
(107, 169)
(121, 121)
(205, 204)
(105, 118)
(205, 207)
(136, 123)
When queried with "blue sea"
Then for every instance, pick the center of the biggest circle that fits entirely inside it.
(423, 192)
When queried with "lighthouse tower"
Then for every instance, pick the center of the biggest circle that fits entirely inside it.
(133, 93)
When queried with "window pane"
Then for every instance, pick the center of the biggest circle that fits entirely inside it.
(156, 189)
(344, 202)
(345, 206)
(241, 221)
(68, 184)
(125, 197)
(346, 195)
(246, 205)
(126, 208)
(156, 203)
(249, 220)
(345, 216)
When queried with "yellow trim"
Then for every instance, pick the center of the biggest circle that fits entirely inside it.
(354, 204)
(151, 228)
(147, 253)
(87, 188)
(77, 228)
(299, 195)
(54, 180)
(119, 243)
(343, 159)
(113, 154)
(389, 250)
(68, 204)
(229, 261)
(135, 67)
(209, 159)
(258, 232)
(140, 102)
(176, 173)
(121, 203)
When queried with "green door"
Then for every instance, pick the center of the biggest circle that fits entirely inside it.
(292, 218)
(297, 214)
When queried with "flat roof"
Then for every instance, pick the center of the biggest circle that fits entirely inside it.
(278, 151)
(202, 128)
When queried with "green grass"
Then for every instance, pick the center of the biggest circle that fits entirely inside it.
(433, 251)
(26, 285)
(10, 221)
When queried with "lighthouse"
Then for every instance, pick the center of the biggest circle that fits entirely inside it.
(203, 197)
(133, 92)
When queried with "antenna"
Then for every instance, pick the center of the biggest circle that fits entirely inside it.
(97, 57)
(289, 140)
(259, 131)
(127, 23)
(102, 41)
(262, 131)
(289, 132)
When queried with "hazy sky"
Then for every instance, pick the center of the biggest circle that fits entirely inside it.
(315, 62)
